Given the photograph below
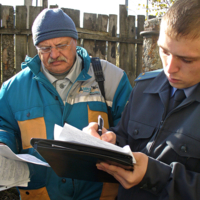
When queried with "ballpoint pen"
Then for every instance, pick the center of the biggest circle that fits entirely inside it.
(100, 125)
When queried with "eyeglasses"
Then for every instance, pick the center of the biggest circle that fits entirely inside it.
(59, 47)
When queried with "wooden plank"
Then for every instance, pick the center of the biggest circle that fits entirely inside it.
(131, 66)
(53, 6)
(27, 3)
(123, 56)
(140, 25)
(0, 46)
(8, 69)
(102, 24)
(89, 22)
(90, 35)
(75, 15)
(45, 4)
(21, 40)
(112, 46)
(33, 12)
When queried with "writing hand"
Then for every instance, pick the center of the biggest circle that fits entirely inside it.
(107, 136)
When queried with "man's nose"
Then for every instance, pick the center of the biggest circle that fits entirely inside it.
(173, 64)
(54, 53)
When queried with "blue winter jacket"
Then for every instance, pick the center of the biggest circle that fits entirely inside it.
(30, 107)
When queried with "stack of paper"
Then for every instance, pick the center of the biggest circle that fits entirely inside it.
(14, 170)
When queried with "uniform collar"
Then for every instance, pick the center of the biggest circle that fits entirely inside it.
(161, 85)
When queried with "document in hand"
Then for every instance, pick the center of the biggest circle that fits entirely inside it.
(74, 154)
(14, 170)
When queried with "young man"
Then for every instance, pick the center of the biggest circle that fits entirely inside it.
(164, 137)
(58, 86)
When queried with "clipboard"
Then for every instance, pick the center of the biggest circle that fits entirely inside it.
(78, 161)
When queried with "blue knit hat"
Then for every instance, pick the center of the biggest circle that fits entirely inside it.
(53, 23)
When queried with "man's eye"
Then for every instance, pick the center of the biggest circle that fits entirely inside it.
(165, 52)
(63, 46)
(187, 61)
(45, 48)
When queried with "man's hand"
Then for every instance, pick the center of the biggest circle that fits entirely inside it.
(127, 178)
(107, 136)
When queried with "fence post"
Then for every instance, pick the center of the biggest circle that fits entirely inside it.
(123, 34)
(8, 69)
(89, 22)
(0, 48)
(21, 40)
(33, 12)
(140, 27)
(131, 66)
(75, 15)
(127, 51)
(151, 59)
(102, 24)
(112, 46)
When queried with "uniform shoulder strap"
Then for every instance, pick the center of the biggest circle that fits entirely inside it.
(148, 75)
(99, 77)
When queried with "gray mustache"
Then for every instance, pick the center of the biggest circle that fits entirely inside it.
(50, 60)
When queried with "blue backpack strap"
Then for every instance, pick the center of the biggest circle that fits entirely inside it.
(148, 75)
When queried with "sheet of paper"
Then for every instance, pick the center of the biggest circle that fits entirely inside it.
(8, 153)
(70, 133)
(13, 173)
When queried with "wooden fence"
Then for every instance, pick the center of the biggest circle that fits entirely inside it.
(98, 36)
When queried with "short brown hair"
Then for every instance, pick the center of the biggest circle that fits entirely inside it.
(183, 19)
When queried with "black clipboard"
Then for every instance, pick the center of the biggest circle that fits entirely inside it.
(78, 161)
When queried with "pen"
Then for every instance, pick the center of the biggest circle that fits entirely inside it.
(100, 125)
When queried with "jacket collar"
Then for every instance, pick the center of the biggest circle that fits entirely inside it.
(161, 86)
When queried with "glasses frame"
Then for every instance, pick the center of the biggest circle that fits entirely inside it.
(40, 49)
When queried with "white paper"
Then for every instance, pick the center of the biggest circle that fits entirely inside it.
(6, 152)
(13, 173)
(72, 134)
(14, 170)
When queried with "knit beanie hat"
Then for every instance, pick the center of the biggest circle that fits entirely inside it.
(53, 23)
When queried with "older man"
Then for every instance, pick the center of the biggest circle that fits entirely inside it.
(58, 86)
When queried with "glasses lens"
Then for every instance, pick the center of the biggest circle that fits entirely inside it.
(45, 49)
(62, 47)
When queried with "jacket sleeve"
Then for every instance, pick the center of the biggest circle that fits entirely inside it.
(121, 98)
(8, 125)
(173, 181)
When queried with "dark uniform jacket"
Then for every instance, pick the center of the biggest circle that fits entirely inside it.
(172, 141)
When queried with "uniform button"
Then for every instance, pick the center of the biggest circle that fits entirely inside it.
(27, 192)
(184, 148)
(28, 114)
(144, 186)
(136, 132)
(153, 189)
(64, 180)
(62, 85)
